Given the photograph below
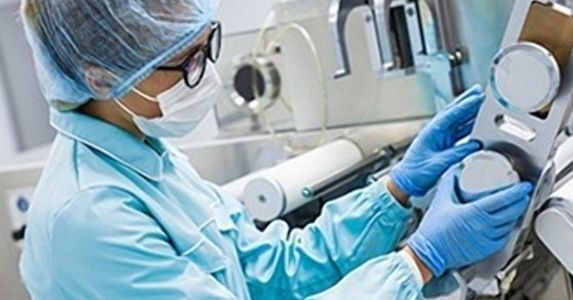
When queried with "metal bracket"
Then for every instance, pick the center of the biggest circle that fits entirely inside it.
(338, 16)
(527, 138)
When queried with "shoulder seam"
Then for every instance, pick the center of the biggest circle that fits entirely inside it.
(70, 199)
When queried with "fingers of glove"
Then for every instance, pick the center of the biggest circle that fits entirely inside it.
(458, 153)
(498, 245)
(461, 113)
(502, 231)
(454, 135)
(476, 89)
(464, 130)
(464, 112)
(505, 198)
(512, 212)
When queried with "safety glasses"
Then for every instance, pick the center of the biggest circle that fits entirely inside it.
(194, 66)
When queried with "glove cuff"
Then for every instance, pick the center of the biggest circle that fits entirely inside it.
(406, 185)
(427, 253)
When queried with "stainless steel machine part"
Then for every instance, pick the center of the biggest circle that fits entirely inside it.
(532, 154)
(525, 76)
(447, 25)
(254, 84)
(528, 140)
(554, 225)
(558, 215)
(501, 171)
(338, 16)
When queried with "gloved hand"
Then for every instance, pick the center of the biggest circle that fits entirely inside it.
(453, 235)
(434, 151)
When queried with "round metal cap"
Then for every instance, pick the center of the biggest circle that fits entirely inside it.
(254, 84)
(525, 76)
(484, 172)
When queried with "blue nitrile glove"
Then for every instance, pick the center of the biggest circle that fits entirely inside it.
(453, 235)
(434, 151)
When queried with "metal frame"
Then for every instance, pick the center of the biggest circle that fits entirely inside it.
(532, 157)
(536, 153)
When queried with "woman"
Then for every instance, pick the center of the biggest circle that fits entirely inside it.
(120, 214)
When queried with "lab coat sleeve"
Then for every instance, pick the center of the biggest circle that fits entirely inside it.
(388, 277)
(283, 264)
(132, 259)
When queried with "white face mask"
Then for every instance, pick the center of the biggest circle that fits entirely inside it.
(183, 108)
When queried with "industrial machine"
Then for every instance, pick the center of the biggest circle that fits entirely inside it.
(337, 63)
(521, 125)
(528, 104)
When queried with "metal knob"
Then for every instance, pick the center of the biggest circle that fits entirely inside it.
(525, 76)
(254, 84)
(484, 172)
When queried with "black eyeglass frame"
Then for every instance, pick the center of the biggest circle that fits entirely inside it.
(206, 52)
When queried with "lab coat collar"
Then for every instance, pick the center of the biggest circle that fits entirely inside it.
(114, 142)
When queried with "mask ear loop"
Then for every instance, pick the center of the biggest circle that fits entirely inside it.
(145, 96)
(139, 93)
(127, 110)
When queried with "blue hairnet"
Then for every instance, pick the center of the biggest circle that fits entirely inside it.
(114, 43)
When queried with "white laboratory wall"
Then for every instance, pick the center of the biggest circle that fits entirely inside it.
(6, 2)
(240, 16)
(8, 139)
(21, 102)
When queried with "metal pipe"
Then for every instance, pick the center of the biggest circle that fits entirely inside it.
(447, 24)
(384, 156)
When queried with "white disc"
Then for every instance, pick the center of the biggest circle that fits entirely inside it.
(484, 172)
(525, 76)
(265, 199)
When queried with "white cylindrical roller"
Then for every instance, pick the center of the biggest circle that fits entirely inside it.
(236, 188)
(278, 190)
